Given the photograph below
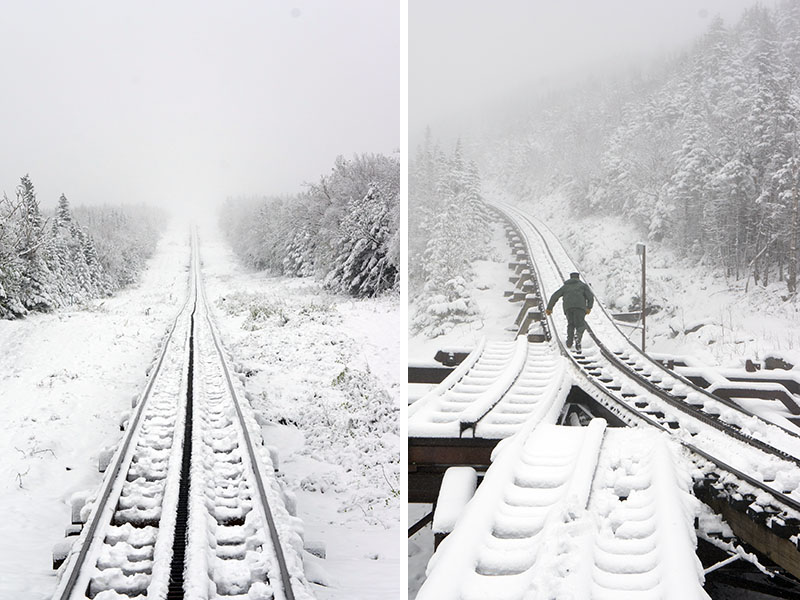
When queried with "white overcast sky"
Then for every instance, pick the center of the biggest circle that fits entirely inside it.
(465, 56)
(187, 102)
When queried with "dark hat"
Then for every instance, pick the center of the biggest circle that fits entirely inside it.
(575, 275)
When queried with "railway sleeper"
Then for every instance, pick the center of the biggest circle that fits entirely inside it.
(236, 578)
(230, 520)
(129, 534)
(234, 534)
(761, 514)
(783, 526)
(656, 414)
(231, 551)
(114, 580)
(150, 475)
(139, 502)
(117, 554)
(138, 519)
(234, 502)
(228, 458)
(230, 493)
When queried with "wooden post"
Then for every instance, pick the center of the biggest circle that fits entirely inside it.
(644, 296)
(641, 250)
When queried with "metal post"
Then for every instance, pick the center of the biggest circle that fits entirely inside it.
(641, 250)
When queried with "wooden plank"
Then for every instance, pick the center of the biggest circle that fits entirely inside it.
(779, 550)
(428, 374)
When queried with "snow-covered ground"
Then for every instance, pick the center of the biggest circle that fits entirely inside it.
(322, 372)
(66, 380)
(323, 365)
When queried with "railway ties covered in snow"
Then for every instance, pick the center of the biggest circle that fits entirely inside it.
(189, 506)
(582, 512)
(743, 467)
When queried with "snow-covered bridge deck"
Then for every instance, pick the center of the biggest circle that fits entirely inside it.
(583, 512)
(497, 388)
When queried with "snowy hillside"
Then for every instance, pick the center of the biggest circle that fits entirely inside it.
(698, 151)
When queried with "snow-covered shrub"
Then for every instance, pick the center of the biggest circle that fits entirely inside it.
(438, 311)
(368, 248)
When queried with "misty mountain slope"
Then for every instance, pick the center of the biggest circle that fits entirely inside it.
(700, 152)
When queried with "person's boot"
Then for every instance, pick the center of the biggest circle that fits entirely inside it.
(577, 346)
(569, 342)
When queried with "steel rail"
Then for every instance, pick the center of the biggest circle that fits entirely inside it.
(75, 564)
(682, 378)
(665, 395)
(777, 496)
(254, 460)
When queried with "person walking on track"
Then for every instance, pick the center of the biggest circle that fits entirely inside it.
(578, 302)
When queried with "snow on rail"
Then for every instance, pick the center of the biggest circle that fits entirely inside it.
(126, 543)
(491, 395)
(230, 552)
(242, 540)
(543, 244)
(439, 414)
(500, 386)
(644, 542)
(538, 394)
(771, 470)
(450, 381)
(582, 512)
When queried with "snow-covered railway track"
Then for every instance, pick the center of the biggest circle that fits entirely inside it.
(498, 388)
(187, 507)
(758, 459)
(573, 512)
(623, 356)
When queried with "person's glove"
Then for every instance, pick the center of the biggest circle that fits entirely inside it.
(548, 312)
(588, 310)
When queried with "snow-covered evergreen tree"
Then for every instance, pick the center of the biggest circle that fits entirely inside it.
(697, 151)
(45, 266)
(343, 229)
(450, 230)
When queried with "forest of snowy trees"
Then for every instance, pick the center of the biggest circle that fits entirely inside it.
(448, 230)
(49, 261)
(344, 229)
(701, 152)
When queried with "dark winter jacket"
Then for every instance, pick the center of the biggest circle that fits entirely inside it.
(576, 295)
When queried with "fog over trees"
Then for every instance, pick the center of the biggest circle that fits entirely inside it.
(71, 256)
(447, 232)
(344, 229)
(700, 151)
